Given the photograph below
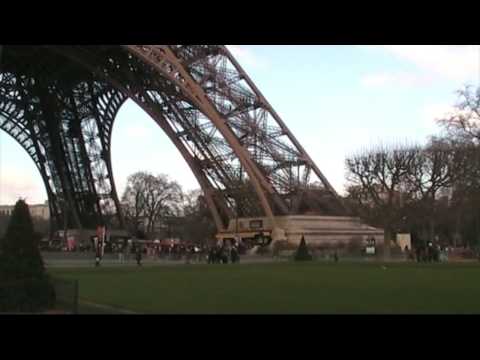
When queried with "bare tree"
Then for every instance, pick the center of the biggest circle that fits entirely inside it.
(198, 226)
(191, 203)
(134, 200)
(147, 198)
(163, 198)
(432, 172)
(463, 124)
(465, 203)
(377, 183)
(462, 128)
(436, 186)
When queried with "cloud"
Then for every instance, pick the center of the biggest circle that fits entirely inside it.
(441, 111)
(454, 62)
(395, 79)
(16, 184)
(133, 123)
(138, 133)
(246, 56)
(430, 114)
(433, 112)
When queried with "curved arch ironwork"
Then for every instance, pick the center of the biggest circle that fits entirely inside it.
(243, 155)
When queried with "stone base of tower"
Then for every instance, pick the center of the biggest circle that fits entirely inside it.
(318, 230)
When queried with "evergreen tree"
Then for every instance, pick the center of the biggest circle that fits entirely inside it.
(19, 254)
(302, 253)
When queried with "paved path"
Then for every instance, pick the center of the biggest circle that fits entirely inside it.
(83, 260)
(88, 307)
(88, 262)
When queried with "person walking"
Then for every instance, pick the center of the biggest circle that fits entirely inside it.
(234, 255)
(212, 256)
(224, 255)
(139, 256)
(128, 250)
(98, 252)
(120, 253)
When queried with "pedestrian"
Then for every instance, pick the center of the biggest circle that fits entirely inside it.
(418, 254)
(234, 255)
(188, 255)
(128, 250)
(212, 256)
(335, 256)
(216, 255)
(411, 255)
(139, 256)
(120, 253)
(98, 253)
(430, 250)
(224, 255)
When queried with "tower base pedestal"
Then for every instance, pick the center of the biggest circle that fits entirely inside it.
(318, 231)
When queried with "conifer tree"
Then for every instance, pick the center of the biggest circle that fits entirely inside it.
(302, 253)
(19, 254)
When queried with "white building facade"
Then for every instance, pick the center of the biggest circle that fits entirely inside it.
(40, 211)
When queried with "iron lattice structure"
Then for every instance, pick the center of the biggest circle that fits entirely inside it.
(60, 102)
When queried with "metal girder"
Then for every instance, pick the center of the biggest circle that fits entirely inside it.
(56, 117)
(244, 157)
(164, 61)
(15, 124)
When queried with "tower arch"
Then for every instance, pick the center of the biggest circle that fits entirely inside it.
(244, 157)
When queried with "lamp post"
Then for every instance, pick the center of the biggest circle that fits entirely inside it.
(236, 221)
(65, 221)
(1, 48)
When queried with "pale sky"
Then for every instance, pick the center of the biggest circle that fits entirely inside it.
(335, 100)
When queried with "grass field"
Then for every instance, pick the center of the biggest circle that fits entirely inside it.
(284, 288)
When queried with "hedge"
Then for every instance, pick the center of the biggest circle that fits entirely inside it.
(31, 295)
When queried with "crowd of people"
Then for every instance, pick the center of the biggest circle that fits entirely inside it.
(218, 254)
(428, 253)
(223, 254)
(157, 251)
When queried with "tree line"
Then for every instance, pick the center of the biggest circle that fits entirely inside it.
(41, 226)
(155, 206)
(431, 191)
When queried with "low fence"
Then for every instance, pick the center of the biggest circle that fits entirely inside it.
(66, 295)
(31, 295)
(39, 296)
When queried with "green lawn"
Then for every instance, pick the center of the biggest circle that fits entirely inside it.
(285, 288)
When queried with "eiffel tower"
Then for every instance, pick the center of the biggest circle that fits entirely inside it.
(60, 103)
